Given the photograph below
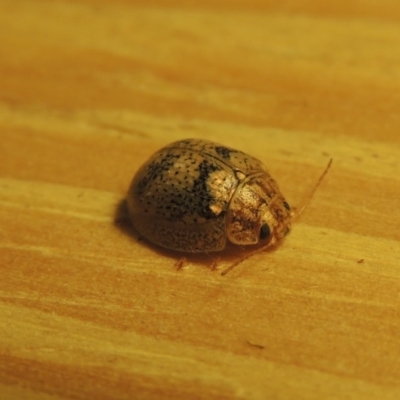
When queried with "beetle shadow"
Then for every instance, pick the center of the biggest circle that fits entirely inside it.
(221, 260)
(122, 221)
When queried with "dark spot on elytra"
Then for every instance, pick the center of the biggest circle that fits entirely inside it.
(175, 192)
(224, 152)
(157, 168)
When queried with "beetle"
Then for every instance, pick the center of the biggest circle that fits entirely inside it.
(195, 196)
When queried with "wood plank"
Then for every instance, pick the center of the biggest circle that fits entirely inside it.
(89, 90)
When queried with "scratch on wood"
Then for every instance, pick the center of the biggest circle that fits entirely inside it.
(258, 346)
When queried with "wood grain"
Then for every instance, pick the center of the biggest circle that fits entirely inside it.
(89, 90)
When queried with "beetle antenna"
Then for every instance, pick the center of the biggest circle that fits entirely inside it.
(314, 189)
(236, 263)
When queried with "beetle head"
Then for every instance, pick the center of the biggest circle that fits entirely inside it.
(258, 213)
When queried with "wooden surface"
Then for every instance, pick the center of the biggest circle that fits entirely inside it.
(88, 90)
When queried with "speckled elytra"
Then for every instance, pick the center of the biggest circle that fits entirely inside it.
(195, 196)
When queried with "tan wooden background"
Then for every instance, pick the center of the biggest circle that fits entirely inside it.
(90, 89)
